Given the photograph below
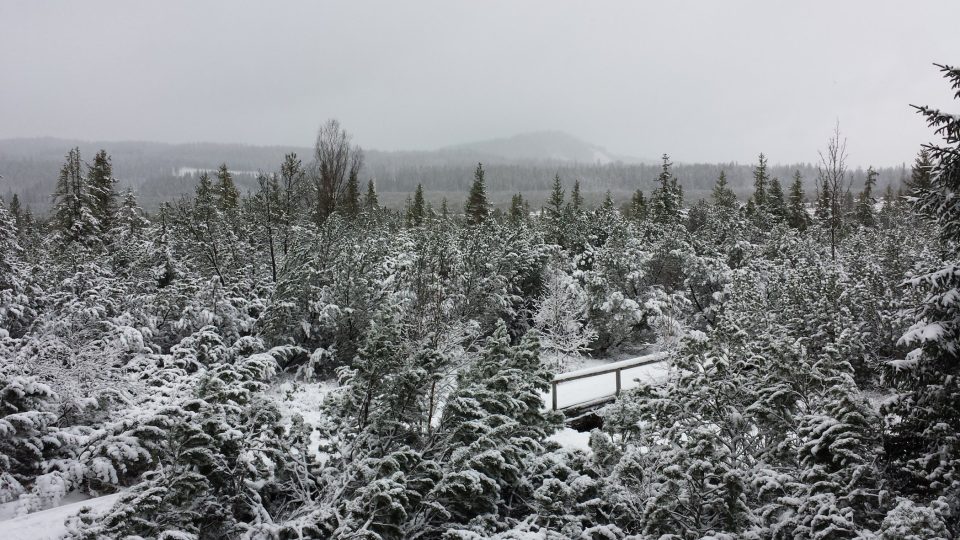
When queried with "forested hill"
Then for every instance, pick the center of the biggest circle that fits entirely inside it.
(160, 172)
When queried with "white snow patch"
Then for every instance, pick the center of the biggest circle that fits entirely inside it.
(51, 524)
(305, 399)
(571, 439)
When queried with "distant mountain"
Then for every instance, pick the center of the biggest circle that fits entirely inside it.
(542, 146)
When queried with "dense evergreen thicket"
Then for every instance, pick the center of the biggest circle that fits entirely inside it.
(813, 390)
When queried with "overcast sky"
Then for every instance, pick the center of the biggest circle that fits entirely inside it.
(703, 81)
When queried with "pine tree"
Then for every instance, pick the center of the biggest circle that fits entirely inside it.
(103, 196)
(416, 212)
(555, 216)
(225, 192)
(74, 218)
(518, 209)
(776, 205)
(920, 175)
(129, 215)
(16, 210)
(864, 211)
(351, 195)
(760, 180)
(797, 216)
(724, 198)
(576, 201)
(924, 444)
(638, 206)
(824, 204)
(370, 201)
(444, 209)
(666, 201)
(477, 208)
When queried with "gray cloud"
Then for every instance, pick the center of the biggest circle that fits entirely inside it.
(704, 81)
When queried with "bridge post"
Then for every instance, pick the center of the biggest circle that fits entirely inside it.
(618, 382)
(553, 391)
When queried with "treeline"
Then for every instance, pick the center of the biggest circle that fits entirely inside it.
(30, 167)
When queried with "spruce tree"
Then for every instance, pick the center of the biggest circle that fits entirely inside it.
(666, 201)
(797, 216)
(225, 192)
(555, 202)
(776, 205)
(370, 201)
(760, 181)
(864, 213)
(518, 209)
(923, 447)
(73, 213)
(351, 195)
(416, 211)
(920, 179)
(16, 211)
(638, 206)
(102, 194)
(575, 199)
(723, 197)
(477, 208)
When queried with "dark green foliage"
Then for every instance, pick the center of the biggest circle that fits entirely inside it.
(416, 211)
(477, 208)
(225, 191)
(923, 445)
(370, 201)
(865, 213)
(724, 199)
(797, 215)
(776, 205)
(666, 201)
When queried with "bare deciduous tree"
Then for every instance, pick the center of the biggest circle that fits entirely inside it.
(834, 185)
(336, 162)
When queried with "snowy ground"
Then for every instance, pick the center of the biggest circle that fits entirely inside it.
(585, 390)
(571, 439)
(47, 524)
(305, 399)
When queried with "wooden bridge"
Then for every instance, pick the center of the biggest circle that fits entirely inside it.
(579, 393)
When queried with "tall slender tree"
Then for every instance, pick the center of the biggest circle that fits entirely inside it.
(225, 192)
(776, 204)
(477, 208)
(666, 201)
(797, 216)
(103, 196)
(416, 211)
(370, 201)
(864, 212)
(351, 195)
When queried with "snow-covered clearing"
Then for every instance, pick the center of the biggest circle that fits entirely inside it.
(48, 524)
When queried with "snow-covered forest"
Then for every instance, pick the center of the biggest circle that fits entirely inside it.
(298, 361)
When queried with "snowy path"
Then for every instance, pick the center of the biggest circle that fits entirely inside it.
(50, 524)
(599, 383)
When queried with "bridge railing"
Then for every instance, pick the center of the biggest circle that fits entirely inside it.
(617, 368)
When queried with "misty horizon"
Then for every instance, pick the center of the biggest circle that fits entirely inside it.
(701, 82)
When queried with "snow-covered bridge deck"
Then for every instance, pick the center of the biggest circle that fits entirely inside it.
(597, 385)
